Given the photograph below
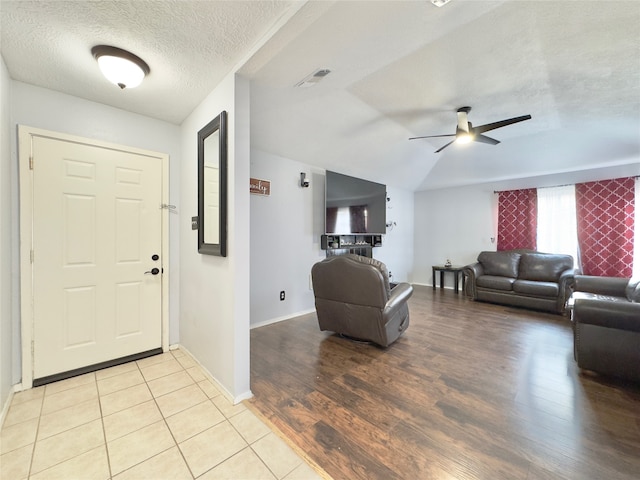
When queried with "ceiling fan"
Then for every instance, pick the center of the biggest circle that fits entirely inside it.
(466, 132)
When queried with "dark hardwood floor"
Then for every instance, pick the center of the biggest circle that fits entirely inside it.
(470, 391)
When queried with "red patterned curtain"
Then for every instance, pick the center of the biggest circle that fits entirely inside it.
(605, 212)
(517, 219)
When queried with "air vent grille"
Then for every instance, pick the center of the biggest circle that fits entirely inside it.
(315, 77)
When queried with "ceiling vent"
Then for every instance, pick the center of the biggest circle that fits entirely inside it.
(315, 77)
(440, 3)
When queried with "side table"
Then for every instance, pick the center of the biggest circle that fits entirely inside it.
(457, 273)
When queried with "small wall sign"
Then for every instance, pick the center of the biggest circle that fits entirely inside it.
(259, 187)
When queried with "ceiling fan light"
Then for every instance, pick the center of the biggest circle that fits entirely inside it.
(464, 138)
(119, 66)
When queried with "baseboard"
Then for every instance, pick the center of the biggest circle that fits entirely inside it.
(431, 286)
(7, 404)
(281, 319)
(234, 400)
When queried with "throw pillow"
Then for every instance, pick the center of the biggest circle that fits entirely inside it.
(500, 264)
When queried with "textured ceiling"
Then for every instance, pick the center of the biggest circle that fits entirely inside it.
(401, 69)
(398, 69)
(189, 45)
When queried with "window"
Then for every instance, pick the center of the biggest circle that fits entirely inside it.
(557, 232)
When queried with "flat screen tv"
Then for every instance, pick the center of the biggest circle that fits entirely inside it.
(354, 206)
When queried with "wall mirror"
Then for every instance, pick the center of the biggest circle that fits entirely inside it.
(212, 187)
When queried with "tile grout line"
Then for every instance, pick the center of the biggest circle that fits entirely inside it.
(153, 397)
(104, 431)
(35, 439)
(164, 419)
(56, 412)
(226, 419)
(169, 428)
(139, 369)
(250, 445)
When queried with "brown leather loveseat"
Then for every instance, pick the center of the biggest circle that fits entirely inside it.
(606, 325)
(354, 298)
(522, 278)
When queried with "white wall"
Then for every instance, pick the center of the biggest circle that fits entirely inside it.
(7, 292)
(397, 251)
(285, 237)
(42, 108)
(458, 223)
(454, 224)
(214, 291)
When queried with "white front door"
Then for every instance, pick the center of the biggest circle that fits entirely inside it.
(97, 229)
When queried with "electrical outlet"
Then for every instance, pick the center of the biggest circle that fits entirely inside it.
(194, 223)
(282, 295)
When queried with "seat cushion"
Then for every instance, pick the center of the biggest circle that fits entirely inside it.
(539, 289)
(543, 267)
(595, 296)
(500, 264)
(495, 282)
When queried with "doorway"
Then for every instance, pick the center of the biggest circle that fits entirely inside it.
(94, 239)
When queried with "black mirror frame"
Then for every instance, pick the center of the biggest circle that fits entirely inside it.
(219, 249)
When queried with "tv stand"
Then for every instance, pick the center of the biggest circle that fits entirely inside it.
(356, 244)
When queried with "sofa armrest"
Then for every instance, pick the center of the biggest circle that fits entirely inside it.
(472, 272)
(622, 315)
(566, 286)
(399, 295)
(612, 286)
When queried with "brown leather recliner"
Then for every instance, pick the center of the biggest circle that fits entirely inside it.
(606, 325)
(354, 298)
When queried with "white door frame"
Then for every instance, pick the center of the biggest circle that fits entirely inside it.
(25, 136)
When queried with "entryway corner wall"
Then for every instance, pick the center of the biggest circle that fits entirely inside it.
(214, 291)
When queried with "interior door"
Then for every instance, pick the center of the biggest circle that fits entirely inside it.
(97, 242)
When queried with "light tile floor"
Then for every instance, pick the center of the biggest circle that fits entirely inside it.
(156, 418)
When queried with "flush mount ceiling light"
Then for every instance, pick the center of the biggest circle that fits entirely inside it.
(119, 66)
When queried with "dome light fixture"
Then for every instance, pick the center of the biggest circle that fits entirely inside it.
(119, 66)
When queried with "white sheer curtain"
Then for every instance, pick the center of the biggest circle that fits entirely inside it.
(557, 229)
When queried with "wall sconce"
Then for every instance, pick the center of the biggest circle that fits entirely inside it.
(304, 183)
(119, 66)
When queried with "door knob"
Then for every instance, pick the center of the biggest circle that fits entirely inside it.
(153, 271)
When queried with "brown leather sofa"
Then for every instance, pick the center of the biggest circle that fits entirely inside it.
(354, 298)
(606, 325)
(521, 278)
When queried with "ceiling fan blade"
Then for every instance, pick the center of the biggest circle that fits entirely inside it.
(503, 123)
(445, 146)
(434, 136)
(485, 139)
